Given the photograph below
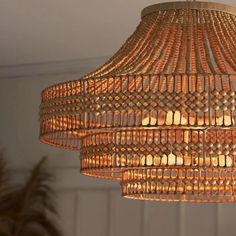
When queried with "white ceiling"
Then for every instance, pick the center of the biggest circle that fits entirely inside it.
(34, 31)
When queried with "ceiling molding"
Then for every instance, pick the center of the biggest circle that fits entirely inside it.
(82, 66)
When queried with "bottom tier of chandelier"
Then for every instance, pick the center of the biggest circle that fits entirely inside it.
(180, 184)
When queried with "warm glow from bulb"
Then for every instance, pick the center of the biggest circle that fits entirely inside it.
(175, 118)
(172, 159)
(171, 118)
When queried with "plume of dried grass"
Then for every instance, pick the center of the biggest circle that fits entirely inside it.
(27, 210)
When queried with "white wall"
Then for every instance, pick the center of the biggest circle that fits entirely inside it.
(87, 206)
(52, 30)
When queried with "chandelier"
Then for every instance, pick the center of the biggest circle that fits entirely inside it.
(159, 116)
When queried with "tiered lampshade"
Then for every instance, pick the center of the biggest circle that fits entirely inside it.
(160, 115)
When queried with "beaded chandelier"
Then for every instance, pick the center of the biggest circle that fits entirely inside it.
(160, 115)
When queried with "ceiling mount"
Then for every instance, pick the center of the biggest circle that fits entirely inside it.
(211, 6)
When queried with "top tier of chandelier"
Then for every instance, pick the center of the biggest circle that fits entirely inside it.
(160, 115)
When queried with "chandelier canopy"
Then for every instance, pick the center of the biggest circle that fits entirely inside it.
(160, 115)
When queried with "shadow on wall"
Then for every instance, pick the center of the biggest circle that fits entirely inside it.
(27, 209)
